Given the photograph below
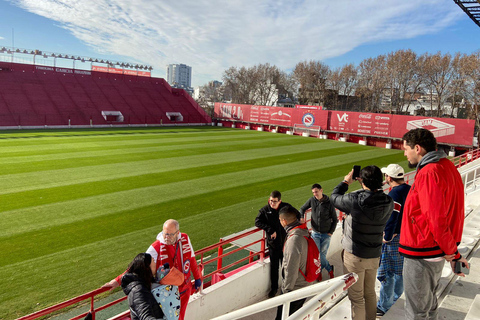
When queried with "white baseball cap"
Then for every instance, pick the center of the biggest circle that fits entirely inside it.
(394, 170)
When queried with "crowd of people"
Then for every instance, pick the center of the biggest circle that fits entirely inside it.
(402, 239)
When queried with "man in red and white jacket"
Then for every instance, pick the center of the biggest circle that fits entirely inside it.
(174, 248)
(432, 223)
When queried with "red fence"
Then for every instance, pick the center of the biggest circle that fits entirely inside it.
(206, 257)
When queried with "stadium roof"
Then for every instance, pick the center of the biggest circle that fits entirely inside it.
(471, 8)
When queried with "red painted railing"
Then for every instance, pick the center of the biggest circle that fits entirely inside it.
(204, 258)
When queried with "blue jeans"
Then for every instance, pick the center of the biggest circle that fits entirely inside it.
(322, 240)
(390, 290)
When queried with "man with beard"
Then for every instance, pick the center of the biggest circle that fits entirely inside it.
(432, 223)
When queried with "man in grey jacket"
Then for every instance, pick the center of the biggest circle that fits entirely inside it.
(324, 222)
(368, 211)
(294, 256)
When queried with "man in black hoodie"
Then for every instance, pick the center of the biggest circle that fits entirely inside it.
(324, 222)
(267, 219)
(367, 212)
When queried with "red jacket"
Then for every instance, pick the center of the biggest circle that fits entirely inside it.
(163, 253)
(434, 212)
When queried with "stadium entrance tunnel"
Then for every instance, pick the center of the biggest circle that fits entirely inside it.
(113, 116)
(174, 116)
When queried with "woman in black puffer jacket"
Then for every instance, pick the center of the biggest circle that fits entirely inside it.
(137, 285)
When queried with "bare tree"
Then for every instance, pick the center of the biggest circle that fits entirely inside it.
(372, 81)
(349, 77)
(438, 74)
(311, 77)
(260, 84)
(240, 83)
(473, 89)
(458, 84)
(402, 72)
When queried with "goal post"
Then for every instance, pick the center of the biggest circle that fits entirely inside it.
(305, 131)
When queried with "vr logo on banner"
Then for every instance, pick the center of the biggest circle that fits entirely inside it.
(308, 119)
(343, 118)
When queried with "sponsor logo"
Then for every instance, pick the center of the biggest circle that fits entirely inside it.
(186, 267)
(44, 68)
(229, 111)
(343, 118)
(308, 119)
(382, 118)
(437, 127)
(365, 116)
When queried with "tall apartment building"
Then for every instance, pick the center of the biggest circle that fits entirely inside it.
(179, 76)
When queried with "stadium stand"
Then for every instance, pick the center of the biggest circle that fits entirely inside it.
(39, 96)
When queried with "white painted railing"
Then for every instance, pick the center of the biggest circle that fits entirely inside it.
(330, 291)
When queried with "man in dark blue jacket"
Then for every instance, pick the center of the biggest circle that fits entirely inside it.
(390, 272)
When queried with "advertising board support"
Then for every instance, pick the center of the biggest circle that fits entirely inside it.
(388, 145)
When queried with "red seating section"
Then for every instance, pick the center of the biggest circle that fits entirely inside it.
(38, 96)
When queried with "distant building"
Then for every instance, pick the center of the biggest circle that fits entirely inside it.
(180, 76)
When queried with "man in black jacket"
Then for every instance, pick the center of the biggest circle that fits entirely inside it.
(324, 222)
(367, 212)
(267, 219)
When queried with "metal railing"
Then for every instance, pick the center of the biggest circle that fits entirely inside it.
(332, 290)
(205, 257)
(90, 295)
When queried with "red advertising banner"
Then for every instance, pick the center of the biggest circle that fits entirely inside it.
(115, 70)
(130, 72)
(122, 71)
(99, 69)
(271, 115)
(445, 130)
(240, 112)
(311, 118)
(370, 124)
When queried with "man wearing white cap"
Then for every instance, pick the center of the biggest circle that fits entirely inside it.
(391, 263)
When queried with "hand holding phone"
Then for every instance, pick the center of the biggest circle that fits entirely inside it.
(356, 172)
(461, 267)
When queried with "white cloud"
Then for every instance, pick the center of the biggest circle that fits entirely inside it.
(212, 35)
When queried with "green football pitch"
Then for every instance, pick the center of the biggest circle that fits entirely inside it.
(76, 206)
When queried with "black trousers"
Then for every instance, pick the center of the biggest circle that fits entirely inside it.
(294, 306)
(276, 257)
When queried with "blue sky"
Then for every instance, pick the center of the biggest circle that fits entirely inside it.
(213, 35)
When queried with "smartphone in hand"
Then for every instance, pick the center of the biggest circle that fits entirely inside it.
(460, 267)
(356, 172)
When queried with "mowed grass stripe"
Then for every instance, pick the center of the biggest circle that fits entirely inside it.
(151, 151)
(86, 160)
(79, 143)
(68, 192)
(15, 216)
(53, 178)
(145, 203)
(24, 138)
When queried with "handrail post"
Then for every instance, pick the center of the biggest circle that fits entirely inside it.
(262, 248)
(92, 308)
(220, 253)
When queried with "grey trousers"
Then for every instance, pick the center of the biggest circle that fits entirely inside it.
(421, 279)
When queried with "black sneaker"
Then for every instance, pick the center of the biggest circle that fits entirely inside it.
(380, 313)
(272, 293)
